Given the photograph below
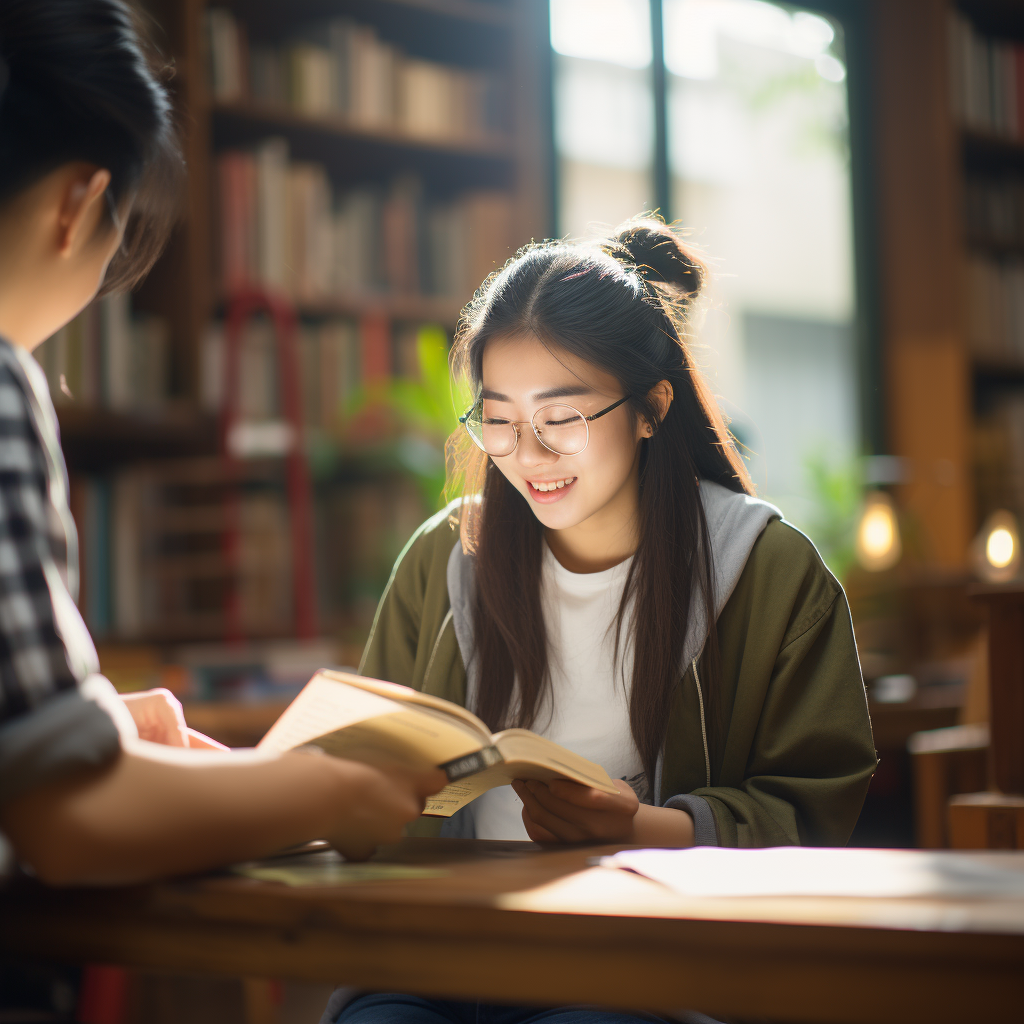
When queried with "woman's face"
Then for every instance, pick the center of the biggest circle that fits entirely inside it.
(599, 487)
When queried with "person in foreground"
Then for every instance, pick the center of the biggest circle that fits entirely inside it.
(95, 789)
(614, 585)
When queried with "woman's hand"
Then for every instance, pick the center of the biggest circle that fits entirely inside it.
(566, 812)
(159, 718)
(563, 811)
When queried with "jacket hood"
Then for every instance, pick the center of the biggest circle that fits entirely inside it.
(735, 521)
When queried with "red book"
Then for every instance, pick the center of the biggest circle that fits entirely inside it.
(103, 996)
(375, 346)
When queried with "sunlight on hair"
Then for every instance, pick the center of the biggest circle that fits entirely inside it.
(613, 31)
(693, 28)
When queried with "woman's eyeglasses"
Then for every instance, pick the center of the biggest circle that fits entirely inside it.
(560, 428)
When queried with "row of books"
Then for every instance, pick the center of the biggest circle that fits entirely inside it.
(283, 226)
(151, 549)
(999, 457)
(153, 566)
(108, 357)
(986, 80)
(996, 308)
(342, 69)
(994, 210)
(336, 356)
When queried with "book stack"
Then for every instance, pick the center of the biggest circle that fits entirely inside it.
(996, 309)
(108, 358)
(342, 70)
(986, 80)
(153, 565)
(285, 228)
(336, 356)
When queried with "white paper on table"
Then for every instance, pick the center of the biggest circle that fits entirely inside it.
(802, 871)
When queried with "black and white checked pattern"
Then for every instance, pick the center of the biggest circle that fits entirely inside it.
(38, 547)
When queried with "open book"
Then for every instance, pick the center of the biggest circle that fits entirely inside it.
(370, 720)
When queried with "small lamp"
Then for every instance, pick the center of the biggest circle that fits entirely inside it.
(878, 533)
(996, 549)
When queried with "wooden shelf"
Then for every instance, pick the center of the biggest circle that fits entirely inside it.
(352, 151)
(1002, 18)
(97, 438)
(998, 371)
(480, 12)
(994, 246)
(986, 151)
(421, 308)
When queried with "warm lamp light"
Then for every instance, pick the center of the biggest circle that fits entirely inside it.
(878, 533)
(996, 549)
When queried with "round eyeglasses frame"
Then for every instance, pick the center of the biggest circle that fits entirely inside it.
(516, 424)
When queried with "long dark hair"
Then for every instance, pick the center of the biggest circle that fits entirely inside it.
(621, 305)
(79, 81)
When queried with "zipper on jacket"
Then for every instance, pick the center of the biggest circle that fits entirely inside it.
(703, 726)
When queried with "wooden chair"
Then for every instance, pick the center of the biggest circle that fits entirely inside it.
(994, 819)
(947, 762)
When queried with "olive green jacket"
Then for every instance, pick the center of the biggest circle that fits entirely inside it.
(796, 755)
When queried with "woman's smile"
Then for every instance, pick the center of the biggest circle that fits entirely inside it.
(547, 491)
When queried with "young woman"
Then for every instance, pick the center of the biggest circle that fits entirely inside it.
(88, 167)
(614, 585)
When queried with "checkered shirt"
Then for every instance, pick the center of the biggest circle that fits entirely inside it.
(44, 647)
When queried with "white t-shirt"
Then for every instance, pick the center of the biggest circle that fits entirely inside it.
(590, 691)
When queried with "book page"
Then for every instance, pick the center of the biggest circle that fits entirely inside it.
(415, 737)
(526, 751)
(406, 694)
(323, 707)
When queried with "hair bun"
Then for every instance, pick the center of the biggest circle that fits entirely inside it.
(659, 254)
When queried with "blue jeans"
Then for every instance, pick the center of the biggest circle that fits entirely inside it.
(393, 1008)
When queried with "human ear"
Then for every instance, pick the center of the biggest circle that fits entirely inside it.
(81, 207)
(661, 396)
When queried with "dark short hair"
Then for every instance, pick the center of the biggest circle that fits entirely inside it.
(80, 81)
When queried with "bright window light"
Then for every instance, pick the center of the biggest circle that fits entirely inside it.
(693, 28)
(831, 69)
(613, 31)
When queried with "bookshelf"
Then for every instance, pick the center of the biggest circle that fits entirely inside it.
(476, 175)
(986, 77)
(949, 161)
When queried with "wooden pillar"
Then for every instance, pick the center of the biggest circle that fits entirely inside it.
(921, 272)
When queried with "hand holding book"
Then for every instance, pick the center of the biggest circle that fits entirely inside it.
(376, 722)
(563, 811)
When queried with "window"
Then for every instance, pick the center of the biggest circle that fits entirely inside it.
(757, 168)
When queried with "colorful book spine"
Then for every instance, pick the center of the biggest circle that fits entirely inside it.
(108, 357)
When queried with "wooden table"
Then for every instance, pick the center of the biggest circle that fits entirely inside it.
(519, 923)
